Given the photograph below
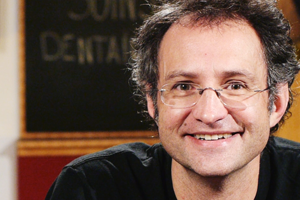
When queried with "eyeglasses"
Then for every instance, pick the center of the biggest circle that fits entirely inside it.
(184, 95)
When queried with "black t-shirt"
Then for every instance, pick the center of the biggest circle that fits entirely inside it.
(279, 177)
(137, 171)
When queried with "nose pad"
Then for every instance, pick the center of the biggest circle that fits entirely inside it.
(211, 99)
(209, 108)
(210, 88)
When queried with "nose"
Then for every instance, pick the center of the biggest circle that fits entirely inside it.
(209, 109)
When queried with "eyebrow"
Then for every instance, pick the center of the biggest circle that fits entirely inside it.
(224, 74)
(233, 73)
(180, 73)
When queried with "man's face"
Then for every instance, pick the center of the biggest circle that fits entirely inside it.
(212, 57)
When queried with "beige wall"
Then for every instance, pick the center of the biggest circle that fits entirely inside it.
(9, 98)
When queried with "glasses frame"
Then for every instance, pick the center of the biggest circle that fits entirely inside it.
(201, 91)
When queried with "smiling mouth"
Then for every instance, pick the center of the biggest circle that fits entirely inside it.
(214, 137)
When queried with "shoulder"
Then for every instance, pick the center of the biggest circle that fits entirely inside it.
(137, 153)
(284, 150)
(285, 157)
(280, 169)
(121, 172)
(283, 146)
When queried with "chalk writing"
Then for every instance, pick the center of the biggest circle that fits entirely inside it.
(96, 49)
(101, 10)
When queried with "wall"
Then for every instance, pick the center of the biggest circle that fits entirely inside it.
(9, 100)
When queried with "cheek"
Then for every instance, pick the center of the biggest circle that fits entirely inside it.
(254, 119)
(170, 119)
(256, 114)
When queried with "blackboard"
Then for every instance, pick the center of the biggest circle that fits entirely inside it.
(75, 65)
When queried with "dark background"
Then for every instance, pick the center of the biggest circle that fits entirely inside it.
(65, 93)
(297, 3)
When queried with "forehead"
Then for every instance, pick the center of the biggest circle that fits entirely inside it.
(232, 46)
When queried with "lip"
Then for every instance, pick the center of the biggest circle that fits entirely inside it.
(213, 143)
(214, 133)
(214, 136)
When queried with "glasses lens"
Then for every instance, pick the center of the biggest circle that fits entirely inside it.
(243, 101)
(188, 96)
(179, 101)
(233, 103)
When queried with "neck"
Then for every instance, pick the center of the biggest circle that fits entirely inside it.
(240, 184)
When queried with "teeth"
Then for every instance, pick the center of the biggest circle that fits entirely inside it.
(207, 137)
(213, 137)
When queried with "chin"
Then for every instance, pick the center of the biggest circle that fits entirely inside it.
(213, 174)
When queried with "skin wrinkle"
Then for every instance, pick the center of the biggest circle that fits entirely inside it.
(224, 75)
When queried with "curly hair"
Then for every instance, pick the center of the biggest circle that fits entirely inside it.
(263, 15)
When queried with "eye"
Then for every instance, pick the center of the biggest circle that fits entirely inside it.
(183, 86)
(235, 86)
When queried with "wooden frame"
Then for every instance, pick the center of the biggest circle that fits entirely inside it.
(73, 147)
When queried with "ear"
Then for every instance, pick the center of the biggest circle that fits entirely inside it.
(280, 104)
(150, 106)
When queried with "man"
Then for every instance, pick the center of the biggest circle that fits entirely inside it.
(215, 76)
